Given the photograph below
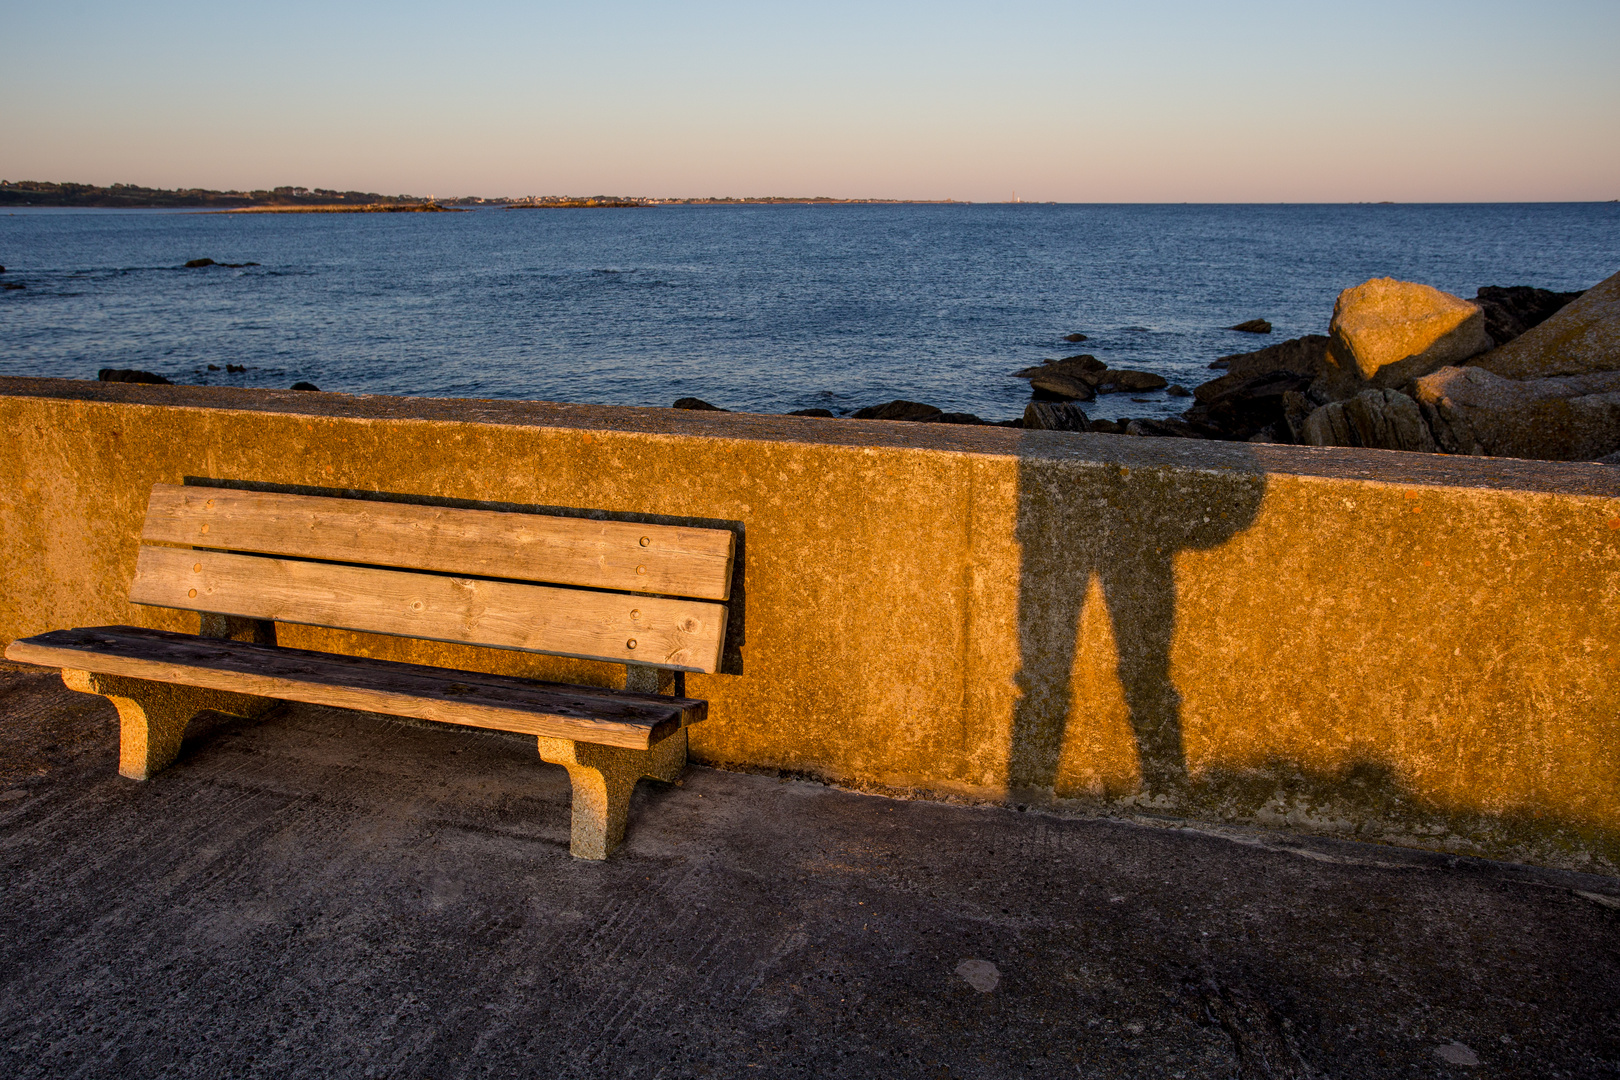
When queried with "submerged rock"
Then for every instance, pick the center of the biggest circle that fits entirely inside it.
(196, 263)
(899, 410)
(1055, 416)
(1066, 337)
(1177, 390)
(304, 386)
(1253, 326)
(696, 405)
(824, 413)
(1385, 333)
(130, 375)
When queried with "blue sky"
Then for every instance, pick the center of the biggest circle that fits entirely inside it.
(1166, 101)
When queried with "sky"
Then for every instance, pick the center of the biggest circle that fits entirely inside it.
(1167, 101)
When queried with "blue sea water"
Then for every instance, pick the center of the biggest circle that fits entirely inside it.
(757, 308)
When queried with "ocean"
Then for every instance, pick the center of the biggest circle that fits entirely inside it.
(766, 308)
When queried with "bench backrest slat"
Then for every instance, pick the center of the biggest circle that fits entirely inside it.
(684, 634)
(672, 560)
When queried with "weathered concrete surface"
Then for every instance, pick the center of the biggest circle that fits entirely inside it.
(1398, 646)
(324, 893)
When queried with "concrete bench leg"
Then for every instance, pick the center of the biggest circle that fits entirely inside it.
(603, 778)
(152, 716)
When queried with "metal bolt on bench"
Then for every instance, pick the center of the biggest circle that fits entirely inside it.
(612, 591)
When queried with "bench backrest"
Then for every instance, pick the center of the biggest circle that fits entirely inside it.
(442, 574)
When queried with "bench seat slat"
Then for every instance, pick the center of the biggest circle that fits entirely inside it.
(672, 560)
(504, 703)
(683, 634)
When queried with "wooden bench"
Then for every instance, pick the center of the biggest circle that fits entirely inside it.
(646, 596)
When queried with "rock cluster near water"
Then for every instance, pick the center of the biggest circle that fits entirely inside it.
(1516, 372)
(130, 375)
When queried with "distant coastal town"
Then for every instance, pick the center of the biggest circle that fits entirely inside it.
(328, 200)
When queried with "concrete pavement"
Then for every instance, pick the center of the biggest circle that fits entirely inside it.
(326, 893)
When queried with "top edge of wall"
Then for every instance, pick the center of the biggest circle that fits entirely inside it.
(1130, 452)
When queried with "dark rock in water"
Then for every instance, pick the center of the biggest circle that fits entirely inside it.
(1107, 427)
(1239, 407)
(195, 264)
(696, 405)
(1115, 382)
(304, 386)
(1066, 337)
(827, 413)
(2, 269)
(899, 410)
(213, 367)
(1253, 326)
(1055, 416)
(1302, 354)
(1016, 422)
(1511, 310)
(108, 374)
(1056, 386)
(1076, 366)
(1082, 362)
(236, 369)
(1172, 429)
(957, 418)
(1177, 390)
(13, 286)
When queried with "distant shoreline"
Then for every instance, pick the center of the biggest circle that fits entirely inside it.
(298, 200)
(339, 208)
(134, 197)
(43, 194)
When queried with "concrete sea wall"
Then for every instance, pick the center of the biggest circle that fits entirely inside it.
(1411, 648)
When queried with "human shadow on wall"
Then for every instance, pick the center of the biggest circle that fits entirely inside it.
(1105, 517)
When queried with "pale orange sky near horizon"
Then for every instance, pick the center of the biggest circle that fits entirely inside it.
(1080, 102)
